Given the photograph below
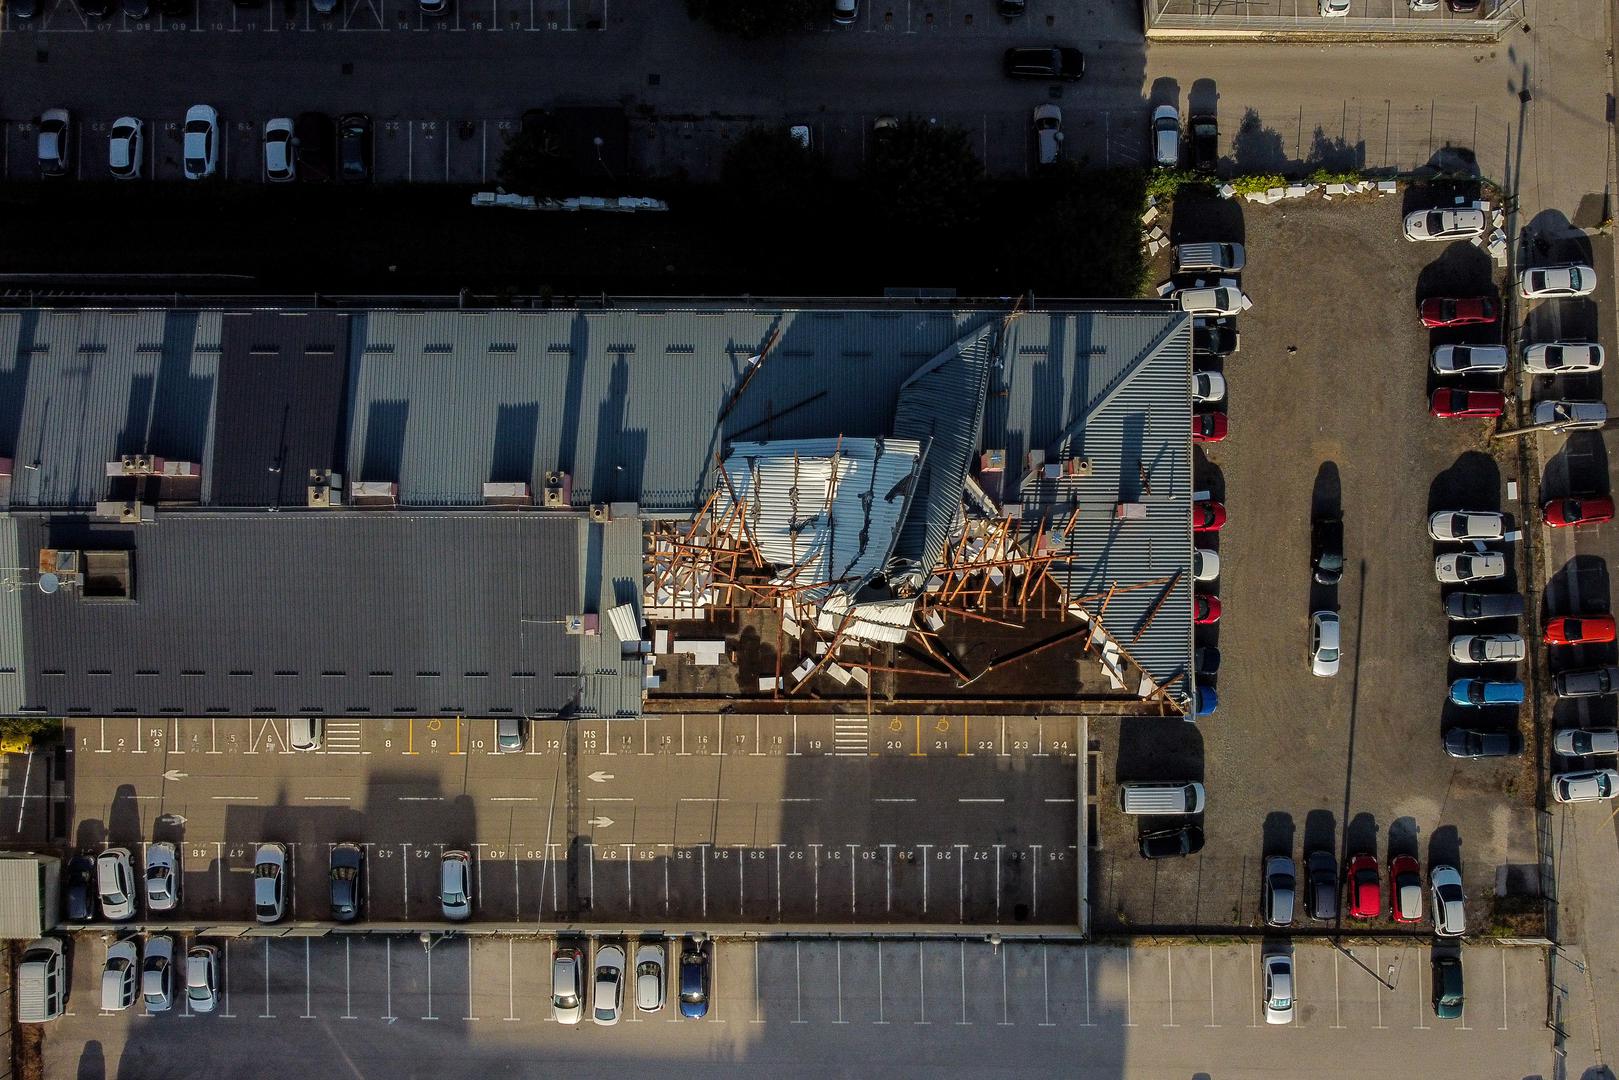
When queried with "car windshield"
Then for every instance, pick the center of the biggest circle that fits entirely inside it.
(1582, 742)
(1574, 279)
(197, 127)
(1329, 655)
(1604, 786)
(199, 993)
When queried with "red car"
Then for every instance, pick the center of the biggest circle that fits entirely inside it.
(1577, 511)
(1207, 516)
(1457, 311)
(1406, 896)
(1205, 609)
(1453, 402)
(1572, 630)
(1209, 426)
(1365, 888)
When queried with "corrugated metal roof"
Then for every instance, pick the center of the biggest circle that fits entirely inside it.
(283, 386)
(942, 407)
(1115, 390)
(11, 631)
(830, 507)
(22, 896)
(340, 612)
(628, 402)
(99, 384)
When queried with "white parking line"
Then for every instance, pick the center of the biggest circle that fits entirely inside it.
(798, 978)
(1085, 951)
(348, 982)
(307, 1014)
(429, 950)
(1005, 1018)
(922, 984)
(389, 983)
(1169, 973)
(1337, 997)
(1377, 965)
(226, 1011)
(1503, 1026)
(1211, 1022)
(511, 982)
(266, 1014)
(963, 1021)
(1422, 1015)
(470, 983)
(840, 1019)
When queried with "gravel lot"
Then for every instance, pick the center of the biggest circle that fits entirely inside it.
(1328, 410)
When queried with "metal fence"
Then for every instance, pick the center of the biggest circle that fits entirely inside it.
(1380, 17)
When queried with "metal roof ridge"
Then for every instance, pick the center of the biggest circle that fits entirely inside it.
(1066, 436)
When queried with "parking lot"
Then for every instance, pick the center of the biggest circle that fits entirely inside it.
(698, 818)
(1328, 405)
(462, 1005)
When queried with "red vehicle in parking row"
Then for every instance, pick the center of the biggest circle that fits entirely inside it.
(1437, 311)
(1207, 516)
(1451, 402)
(1577, 511)
(1365, 887)
(1205, 609)
(1577, 630)
(1209, 426)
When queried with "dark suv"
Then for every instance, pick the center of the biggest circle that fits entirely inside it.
(1045, 62)
(354, 147)
(1327, 559)
(1321, 891)
(347, 886)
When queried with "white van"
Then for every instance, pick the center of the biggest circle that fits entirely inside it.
(1185, 798)
(1209, 258)
(118, 976)
(41, 982)
(303, 732)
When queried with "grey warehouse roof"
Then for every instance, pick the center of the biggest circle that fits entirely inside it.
(336, 613)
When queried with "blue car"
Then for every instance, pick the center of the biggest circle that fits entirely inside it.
(1207, 700)
(694, 980)
(1479, 692)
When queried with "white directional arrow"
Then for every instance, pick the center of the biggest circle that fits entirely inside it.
(595, 777)
(600, 822)
(174, 774)
(177, 819)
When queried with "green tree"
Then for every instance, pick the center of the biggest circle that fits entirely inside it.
(767, 171)
(754, 18)
(925, 175)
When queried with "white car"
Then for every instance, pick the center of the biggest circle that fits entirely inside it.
(1325, 638)
(304, 732)
(1563, 357)
(1278, 986)
(1334, 9)
(1466, 359)
(1205, 564)
(455, 885)
(280, 162)
(1449, 901)
(115, 882)
(844, 12)
(1565, 415)
(607, 988)
(1487, 648)
(124, 148)
(651, 959)
(202, 978)
(1466, 525)
(162, 877)
(1461, 568)
(1583, 742)
(1564, 279)
(567, 985)
(270, 882)
(1449, 224)
(54, 142)
(1213, 300)
(1048, 132)
(1166, 136)
(1597, 785)
(157, 973)
(1208, 386)
(201, 142)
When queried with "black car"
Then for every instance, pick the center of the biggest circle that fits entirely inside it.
(1328, 557)
(1206, 661)
(1214, 337)
(137, 9)
(1172, 843)
(347, 882)
(1205, 131)
(354, 147)
(79, 888)
(96, 9)
(23, 9)
(1011, 9)
(1465, 743)
(1321, 885)
(1045, 62)
(315, 139)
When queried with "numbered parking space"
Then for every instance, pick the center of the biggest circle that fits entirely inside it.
(293, 16)
(423, 1001)
(758, 819)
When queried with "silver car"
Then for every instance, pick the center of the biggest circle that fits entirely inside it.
(157, 973)
(1466, 525)
(1467, 359)
(202, 978)
(304, 732)
(1281, 886)
(1048, 133)
(1208, 386)
(1278, 989)
(567, 985)
(455, 885)
(509, 734)
(119, 975)
(1449, 901)
(1584, 742)
(280, 160)
(1564, 414)
(651, 958)
(124, 153)
(1166, 136)
(270, 882)
(1563, 358)
(1487, 648)
(608, 987)
(115, 882)
(55, 142)
(1564, 279)
(1461, 568)
(162, 877)
(1216, 300)
(1324, 643)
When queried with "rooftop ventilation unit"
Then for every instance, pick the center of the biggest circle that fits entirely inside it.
(125, 512)
(381, 495)
(325, 489)
(558, 494)
(507, 494)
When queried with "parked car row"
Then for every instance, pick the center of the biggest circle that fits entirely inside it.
(1361, 884)
(151, 976)
(312, 148)
(1164, 136)
(140, 10)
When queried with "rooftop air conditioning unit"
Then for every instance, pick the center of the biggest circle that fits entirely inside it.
(325, 489)
(558, 494)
